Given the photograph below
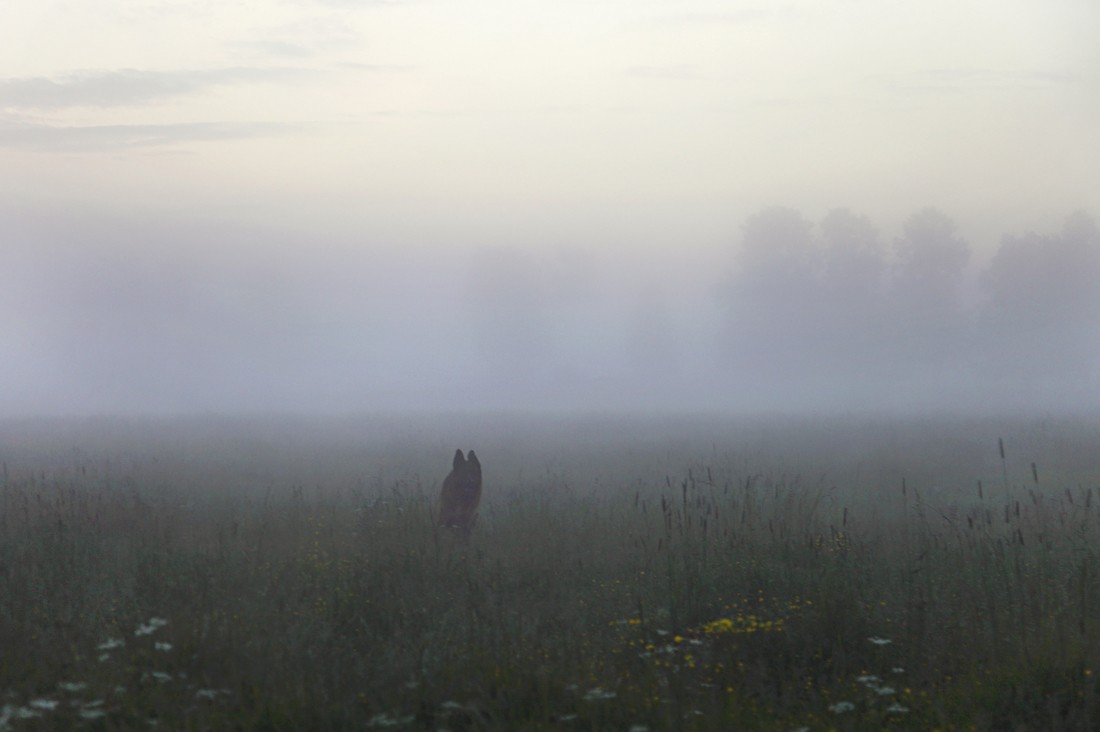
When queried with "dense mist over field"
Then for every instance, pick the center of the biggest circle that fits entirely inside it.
(274, 206)
(788, 314)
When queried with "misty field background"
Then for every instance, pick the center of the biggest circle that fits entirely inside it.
(626, 573)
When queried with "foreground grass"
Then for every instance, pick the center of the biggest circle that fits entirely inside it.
(718, 599)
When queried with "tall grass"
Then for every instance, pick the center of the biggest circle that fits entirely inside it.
(590, 596)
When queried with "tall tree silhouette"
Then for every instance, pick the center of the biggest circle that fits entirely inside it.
(1039, 321)
(853, 266)
(930, 323)
(771, 313)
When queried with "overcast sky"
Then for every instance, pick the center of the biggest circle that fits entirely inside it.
(378, 145)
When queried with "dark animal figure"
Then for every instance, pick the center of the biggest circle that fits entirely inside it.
(461, 493)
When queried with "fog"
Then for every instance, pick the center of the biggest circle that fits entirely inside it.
(121, 315)
(349, 206)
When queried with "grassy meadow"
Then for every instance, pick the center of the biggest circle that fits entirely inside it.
(651, 573)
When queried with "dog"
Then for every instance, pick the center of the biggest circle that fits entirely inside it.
(461, 493)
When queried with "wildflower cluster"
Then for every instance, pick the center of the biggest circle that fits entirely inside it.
(880, 691)
(106, 695)
(753, 615)
(710, 659)
(742, 624)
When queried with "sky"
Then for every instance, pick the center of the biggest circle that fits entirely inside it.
(284, 204)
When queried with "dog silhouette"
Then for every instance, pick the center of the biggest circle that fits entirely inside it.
(461, 493)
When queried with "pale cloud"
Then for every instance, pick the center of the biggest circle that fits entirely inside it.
(361, 3)
(127, 87)
(674, 72)
(100, 138)
(276, 49)
(735, 17)
(377, 68)
(332, 31)
(958, 80)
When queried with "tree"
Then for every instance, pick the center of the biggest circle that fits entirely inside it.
(853, 260)
(852, 271)
(777, 249)
(1043, 304)
(930, 322)
(771, 316)
(931, 262)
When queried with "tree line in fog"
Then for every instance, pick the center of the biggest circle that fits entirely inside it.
(792, 313)
(829, 307)
(836, 298)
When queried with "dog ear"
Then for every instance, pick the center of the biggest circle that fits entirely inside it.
(459, 461)
(474, 462)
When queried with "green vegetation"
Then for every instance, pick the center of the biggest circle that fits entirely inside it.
(651, 575)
